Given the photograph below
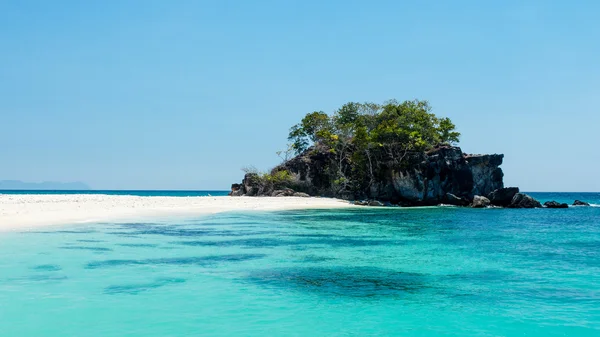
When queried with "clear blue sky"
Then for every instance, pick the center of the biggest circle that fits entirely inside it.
(182, 94)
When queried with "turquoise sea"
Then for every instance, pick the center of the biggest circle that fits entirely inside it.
(439, 271)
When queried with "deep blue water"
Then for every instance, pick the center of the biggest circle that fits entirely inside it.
(567, 197)
(438, 271)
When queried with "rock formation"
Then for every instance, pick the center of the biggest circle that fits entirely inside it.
(503, 196)
(480, 202)
(443, 175)
(451, 199)
(580, 203)
(555, 204)
(522, 200)
(236, 190)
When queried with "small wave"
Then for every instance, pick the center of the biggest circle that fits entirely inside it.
(446, 205)
(591, 205)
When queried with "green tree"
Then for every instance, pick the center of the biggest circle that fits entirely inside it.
(447, 133)
(314, 127)
(366, 138)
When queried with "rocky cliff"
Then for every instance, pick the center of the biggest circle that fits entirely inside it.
(439, 175)
(443, 175)
(428, 178)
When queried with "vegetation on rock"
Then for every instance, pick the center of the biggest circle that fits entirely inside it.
(363, 139)
(266, 182)
(395, 153)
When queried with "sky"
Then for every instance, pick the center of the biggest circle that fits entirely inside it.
(183, 94)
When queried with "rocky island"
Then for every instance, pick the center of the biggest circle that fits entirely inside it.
(389, 154)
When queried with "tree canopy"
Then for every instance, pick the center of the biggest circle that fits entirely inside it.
(364, 138)
(408, 125)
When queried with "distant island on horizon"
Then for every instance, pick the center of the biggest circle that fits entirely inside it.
(45, 185)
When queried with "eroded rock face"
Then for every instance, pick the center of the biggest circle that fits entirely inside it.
(480, 202)
(487, 175)
(503, 196)
(555, 204)
(580, 203)
(443, 175)
(451, 199)
(522, 200)
(250, 184)
(236, 190)
(426, 179)
(442, 171)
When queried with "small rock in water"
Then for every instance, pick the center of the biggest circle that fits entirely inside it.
(580, 203)
(555, 204)
(522, 200)
(503, 196)
(480, 202)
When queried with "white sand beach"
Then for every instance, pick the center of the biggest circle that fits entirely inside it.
(21, 211)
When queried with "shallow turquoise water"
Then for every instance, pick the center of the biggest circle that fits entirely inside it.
(366, 272)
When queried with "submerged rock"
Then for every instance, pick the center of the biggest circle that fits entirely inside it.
(580, 203)
(503, 196)
(522, 200)
(555, 204)
(480, 202)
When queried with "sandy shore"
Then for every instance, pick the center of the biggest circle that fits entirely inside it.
(23, 211)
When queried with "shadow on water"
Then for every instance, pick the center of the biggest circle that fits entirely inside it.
(345, 241)
(340, 241)
(361, 282)
(94, 249)
(313, 235)
(138, 245)
(194, 260)
(247, 243)
(83, 231)
(134, 289)
(184, 231)
(46, 278)
(47, 267)
(125, 235)
(313, 259)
